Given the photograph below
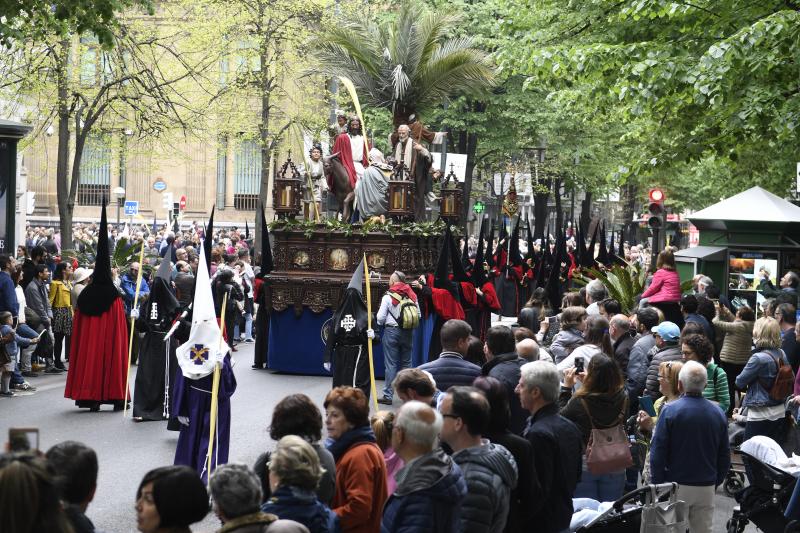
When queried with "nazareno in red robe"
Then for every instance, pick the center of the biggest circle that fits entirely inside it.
(98, 356)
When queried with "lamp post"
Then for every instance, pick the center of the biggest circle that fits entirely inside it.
(452, 198)
(119, 194)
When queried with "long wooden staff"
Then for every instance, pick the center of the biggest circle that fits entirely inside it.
(212, 419)
(369, 341)
(130, 340)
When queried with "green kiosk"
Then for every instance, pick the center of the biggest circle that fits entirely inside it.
(742, 239)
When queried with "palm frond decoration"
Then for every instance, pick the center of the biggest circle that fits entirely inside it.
(409, 65)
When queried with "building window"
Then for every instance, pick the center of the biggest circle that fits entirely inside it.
(95, 175)
(247, 175)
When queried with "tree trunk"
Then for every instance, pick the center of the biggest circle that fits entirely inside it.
(586, 214)
(66, 203)
(629, 192)
(263, 129)
(540, 200)
(559, 213)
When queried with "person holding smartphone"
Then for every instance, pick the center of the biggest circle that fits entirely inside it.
(646, 421)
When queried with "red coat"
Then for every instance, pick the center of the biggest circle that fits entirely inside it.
(445, 305)
(490, 296)
(360, 488)
(98, 356)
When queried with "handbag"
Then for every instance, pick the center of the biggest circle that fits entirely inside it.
(609, 450)
(671, 516)
(32, 318)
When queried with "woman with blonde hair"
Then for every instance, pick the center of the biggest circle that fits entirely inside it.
(668, 386)
(382, 425)
(765, 415)
(294, 473)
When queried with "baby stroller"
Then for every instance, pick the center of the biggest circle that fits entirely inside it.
(735, 478)
(763, 502)
(625, 516)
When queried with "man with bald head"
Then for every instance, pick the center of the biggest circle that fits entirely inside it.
(416, 160)
(622, 339)
(430, 487)
(529, 350)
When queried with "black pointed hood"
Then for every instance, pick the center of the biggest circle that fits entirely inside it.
(246, 231)
(587, 261)
(162, 305)
(208, 239)
(98, 296)
(465, 253)
(618, 259)
(515, 258)
(529, 239)
(350, 318)
(267, 264)
(441, 278)
(602, 255)
(560, 262)
(478, 273)
(543, 272)
(489, 243)
(459, 273)
(580, 244)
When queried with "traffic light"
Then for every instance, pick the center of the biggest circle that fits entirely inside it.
(656, 209)
(176, 209)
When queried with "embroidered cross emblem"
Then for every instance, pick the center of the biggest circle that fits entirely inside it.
(199, 354)
(154, 311)
(348, 323)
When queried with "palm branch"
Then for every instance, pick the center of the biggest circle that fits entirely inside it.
(408, 65)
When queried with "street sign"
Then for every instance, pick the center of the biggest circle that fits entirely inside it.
(166, 200)
(131, 208)
(479, 207)
(183, 202)
(159, 185)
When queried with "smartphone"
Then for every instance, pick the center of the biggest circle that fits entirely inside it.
(646, 405)
(23, 439)
(578, 365)
(551, 319)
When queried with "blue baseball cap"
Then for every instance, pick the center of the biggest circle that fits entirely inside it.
(668, 331)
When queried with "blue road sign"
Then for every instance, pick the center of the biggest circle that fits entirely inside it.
(131, 208)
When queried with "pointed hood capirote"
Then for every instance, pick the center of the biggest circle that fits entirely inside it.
(459, 274)
(350, 318)
(208, 239)
(267, 264)
(441, 278)
(478, 273)
(162, 305)
(98, 296)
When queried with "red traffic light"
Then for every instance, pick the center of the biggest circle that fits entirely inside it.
(656, 195)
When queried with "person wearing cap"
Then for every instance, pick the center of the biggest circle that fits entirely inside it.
(667, 348)
(80, 279)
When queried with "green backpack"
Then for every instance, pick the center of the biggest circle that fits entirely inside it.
(409, 313)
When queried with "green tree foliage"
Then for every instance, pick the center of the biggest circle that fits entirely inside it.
(23, 19)
(705, 94)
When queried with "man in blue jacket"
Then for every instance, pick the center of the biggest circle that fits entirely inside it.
(451, 368)
(690, 447)
(430, 487)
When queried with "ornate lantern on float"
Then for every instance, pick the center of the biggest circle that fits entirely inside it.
(286, 193)
(452, 202)
(400, 194)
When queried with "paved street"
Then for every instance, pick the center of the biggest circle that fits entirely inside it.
(127, 450)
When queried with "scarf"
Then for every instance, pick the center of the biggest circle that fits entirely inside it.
(402, 289)
(354, 436)
(407, 155)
